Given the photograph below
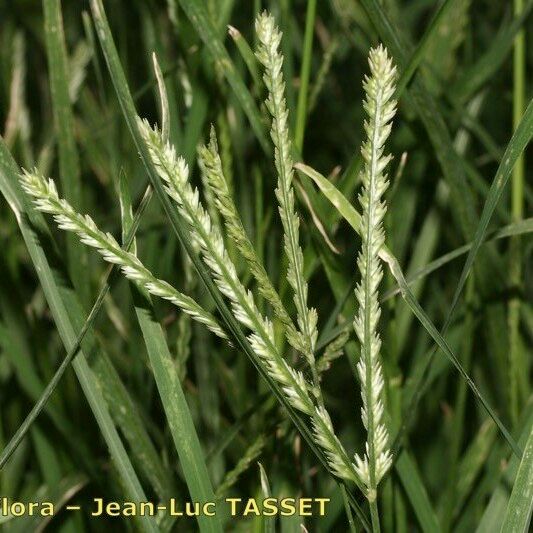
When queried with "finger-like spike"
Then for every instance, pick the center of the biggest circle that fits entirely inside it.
(270, 57)
(46, 198)
(379, 88)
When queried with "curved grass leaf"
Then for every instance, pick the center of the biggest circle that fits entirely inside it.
(502, 480)
(516, 146)
(417, 56)
(518, 514)
(417, 494)
(177, 412)
(69, 167)
(473, 462)
(168, 383)
(247, 55)
(518, 228)
(353, 218)
(305, 71)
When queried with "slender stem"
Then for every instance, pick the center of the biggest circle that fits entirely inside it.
(305, 71)
(374, 515)
(418, 55)
(517, 209)
(348, 510)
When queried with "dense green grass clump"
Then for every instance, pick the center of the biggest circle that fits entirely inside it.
(319, 281)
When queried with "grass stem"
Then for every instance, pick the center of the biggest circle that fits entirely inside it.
(517, 211)
(301, 111)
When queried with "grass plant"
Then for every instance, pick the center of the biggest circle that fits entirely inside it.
(323, 205)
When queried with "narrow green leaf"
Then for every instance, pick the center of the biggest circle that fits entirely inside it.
(247, 54)
(516, 146)
(163, 98)
(518, 228)
(68, 317)
(518, 514)
(337, 199)
(417, 494)
(353, 218)
(177, 413)
(473, 462)
(425, 41)
(171, 393)
(305, 71)
(269, 522)
(197, 14)
(69, 167)
(495, 509)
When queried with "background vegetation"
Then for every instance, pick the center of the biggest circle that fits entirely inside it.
(107, 429)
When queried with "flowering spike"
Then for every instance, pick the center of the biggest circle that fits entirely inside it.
(46, 199)
(268, 54)
(380, 108)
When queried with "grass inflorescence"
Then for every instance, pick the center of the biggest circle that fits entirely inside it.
(335, 192)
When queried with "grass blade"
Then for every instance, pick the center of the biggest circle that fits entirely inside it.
(305, 71)
(197, 14)
(69, 167)
(247, 54)
(418, 55)
(177, 414)
(518, 228)
(66, 311)
(353, 218)
(518, 514)
(416, 492)
(516, 364)
(171, 393)
(516, 146)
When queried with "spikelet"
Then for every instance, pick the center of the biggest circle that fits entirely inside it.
(332, 351)
(380, 108)
(268, 54)
(250, 456)
(46, 199)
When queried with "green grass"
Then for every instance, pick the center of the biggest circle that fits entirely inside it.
(108, 392)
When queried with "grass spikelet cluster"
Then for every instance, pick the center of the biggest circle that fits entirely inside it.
(175, 174)
(211, 167)
(47, 200)
(270, 57)
(380, 108)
